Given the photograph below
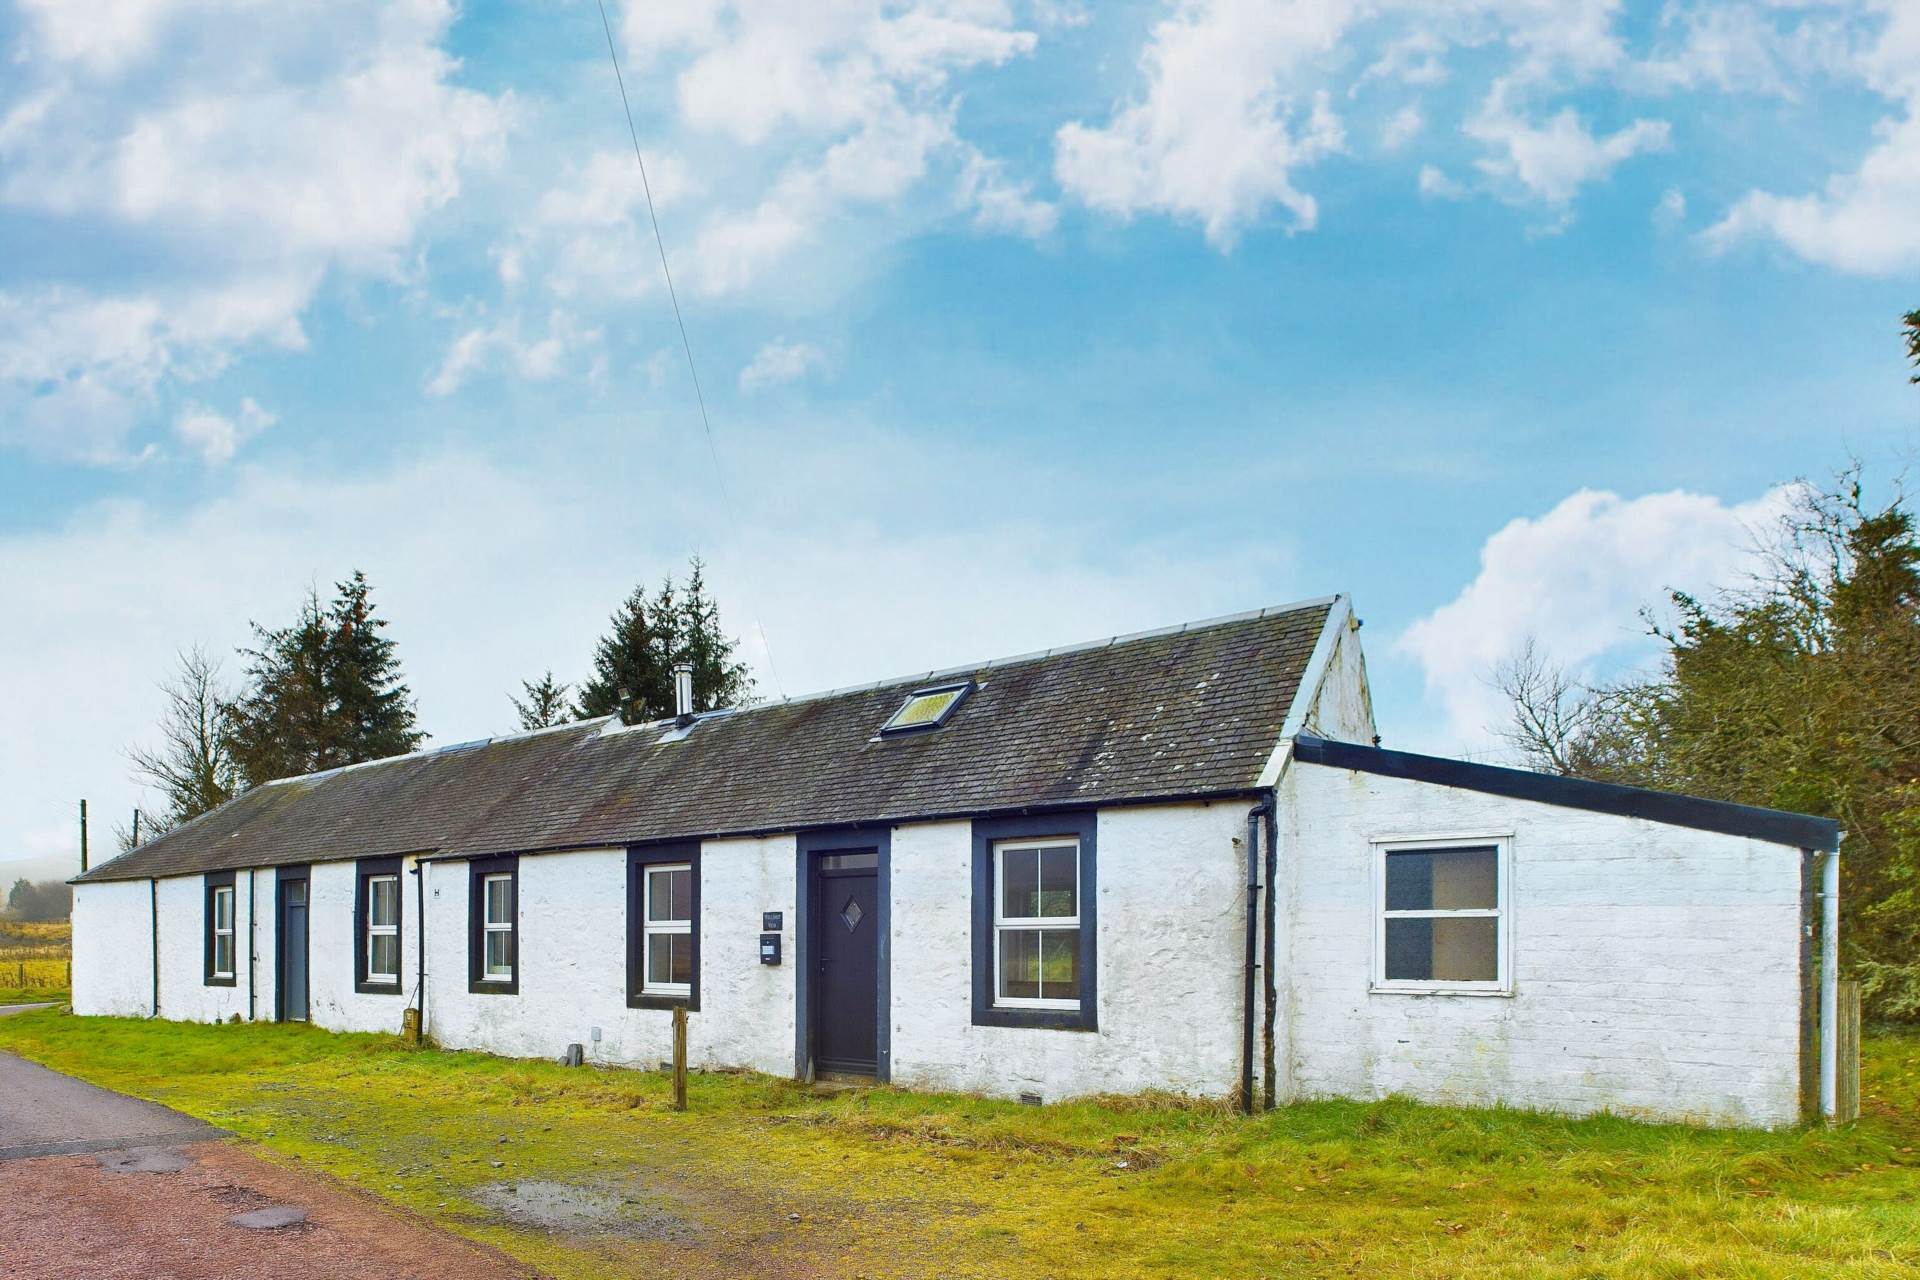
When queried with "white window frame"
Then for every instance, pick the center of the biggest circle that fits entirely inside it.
(490, 926)
(383, 930)
(1002, 923)
(1501, 913)
(651, 928)
(227, 933)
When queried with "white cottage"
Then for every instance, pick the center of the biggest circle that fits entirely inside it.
(1170, 860)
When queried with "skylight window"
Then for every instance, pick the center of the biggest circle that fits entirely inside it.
(928, 708)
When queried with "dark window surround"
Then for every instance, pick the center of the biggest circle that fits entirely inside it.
(363, 871)
(809, 845)
(640, 857)
(477, 870)
(219, 880)
(965, 689)
(987, 832)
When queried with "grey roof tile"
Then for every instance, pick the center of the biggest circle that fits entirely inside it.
(1182, 712)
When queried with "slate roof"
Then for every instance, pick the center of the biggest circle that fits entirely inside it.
(1185, 712)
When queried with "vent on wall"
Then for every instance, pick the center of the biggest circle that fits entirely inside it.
(928, 708)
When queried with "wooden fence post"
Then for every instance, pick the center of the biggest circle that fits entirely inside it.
(1846, 1093)
(679, 1057)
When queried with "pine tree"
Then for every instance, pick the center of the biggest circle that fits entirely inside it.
(545, 705)
(633, 663)
(632, 670)
(372, 707)
(1911, 322)
(718, 679)
(323, 692)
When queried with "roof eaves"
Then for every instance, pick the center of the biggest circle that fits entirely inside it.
(1774, 826)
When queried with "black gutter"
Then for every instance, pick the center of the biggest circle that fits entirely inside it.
(1252, 965)
(1272, 978)
(153, 906)
(1776, 826)
(420, 942)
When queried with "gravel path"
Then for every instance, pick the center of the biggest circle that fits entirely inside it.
(95, 1184)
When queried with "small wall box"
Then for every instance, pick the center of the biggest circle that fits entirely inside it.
(769, 948)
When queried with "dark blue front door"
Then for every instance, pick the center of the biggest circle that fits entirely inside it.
(292, 969)
(846, 931)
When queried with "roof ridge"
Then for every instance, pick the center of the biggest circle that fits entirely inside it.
(989, 664)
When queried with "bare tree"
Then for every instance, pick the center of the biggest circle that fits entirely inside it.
(1551, 716)
(192, 767)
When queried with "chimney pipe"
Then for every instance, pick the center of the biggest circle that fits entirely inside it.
(683, 693)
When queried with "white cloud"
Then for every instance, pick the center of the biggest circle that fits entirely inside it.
(249, 148)
(1863, 221)
(1402, 127)
(502, 346)
(217, 437)
(1436, 185)
(853, 102)
(780, 362)
(1866, 222)
(1672, 209)
(1217, 136)
(1002, 205)
(1551, 162)
(1575, 579)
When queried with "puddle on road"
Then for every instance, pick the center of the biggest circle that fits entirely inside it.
(568, 1209)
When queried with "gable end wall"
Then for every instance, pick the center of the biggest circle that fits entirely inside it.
(1656, 968)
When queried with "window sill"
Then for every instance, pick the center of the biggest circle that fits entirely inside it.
(221, 980)
(1037, 1019)
(377, 988)
(651, 1001)
(1504, 993)
(494, 987)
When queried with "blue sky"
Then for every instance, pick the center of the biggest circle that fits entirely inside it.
(1019, 324)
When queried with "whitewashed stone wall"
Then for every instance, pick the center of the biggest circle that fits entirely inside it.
(1170, 952)
(1656, 968)
(112, 949)
(332, 1001)
(573, 977)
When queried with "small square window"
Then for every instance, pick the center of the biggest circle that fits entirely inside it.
(927, 708)
(1442, 917)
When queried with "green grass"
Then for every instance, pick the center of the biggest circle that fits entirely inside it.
(35, 960)
(891, 1183)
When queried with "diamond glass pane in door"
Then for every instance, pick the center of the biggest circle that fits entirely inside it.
(850, 915)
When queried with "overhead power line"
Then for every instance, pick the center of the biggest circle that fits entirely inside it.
(686, 344)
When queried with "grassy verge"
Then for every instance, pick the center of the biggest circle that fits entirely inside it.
(588, 1173)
